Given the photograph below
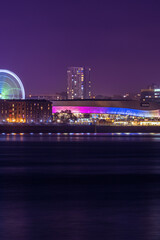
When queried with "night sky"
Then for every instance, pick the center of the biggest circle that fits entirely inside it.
(119, 40)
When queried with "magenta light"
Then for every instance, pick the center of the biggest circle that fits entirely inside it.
(107, 110)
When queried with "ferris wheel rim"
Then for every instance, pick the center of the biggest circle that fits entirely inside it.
(17, 78)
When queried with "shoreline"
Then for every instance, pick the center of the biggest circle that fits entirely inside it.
(10, 128)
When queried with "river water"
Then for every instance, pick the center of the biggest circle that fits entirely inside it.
(79, 187)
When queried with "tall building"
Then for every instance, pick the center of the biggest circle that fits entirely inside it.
(78, 83)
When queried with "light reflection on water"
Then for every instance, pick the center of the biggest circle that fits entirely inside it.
(79, 136)
(79, 186)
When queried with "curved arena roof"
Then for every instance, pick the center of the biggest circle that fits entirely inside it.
(131, 108)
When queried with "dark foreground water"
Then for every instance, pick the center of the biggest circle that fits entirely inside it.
(75, 187)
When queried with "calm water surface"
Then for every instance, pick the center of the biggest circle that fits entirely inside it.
(79, 187)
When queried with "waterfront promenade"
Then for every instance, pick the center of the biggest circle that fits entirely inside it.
(52, 128)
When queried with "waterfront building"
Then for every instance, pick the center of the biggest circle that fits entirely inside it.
(25, 111)
(38, 111)
(78, 83)
(109, 108)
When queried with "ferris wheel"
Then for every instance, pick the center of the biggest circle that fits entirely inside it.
(11, 86)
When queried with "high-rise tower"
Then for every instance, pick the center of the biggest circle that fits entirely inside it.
(78, 83)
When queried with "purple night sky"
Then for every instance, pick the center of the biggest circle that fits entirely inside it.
(119, 40)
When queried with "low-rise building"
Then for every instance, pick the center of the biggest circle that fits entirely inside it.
(116, 108)
(150, 95)
(25, 111)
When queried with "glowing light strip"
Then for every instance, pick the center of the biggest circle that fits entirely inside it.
(108, 110)
(17, 78)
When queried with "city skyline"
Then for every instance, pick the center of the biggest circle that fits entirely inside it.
(118, 40)
(79, 120)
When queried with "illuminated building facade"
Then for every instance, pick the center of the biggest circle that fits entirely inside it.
(38, 111)
(150, 95)
(78, 83)
(25, 111)
(132, 108)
